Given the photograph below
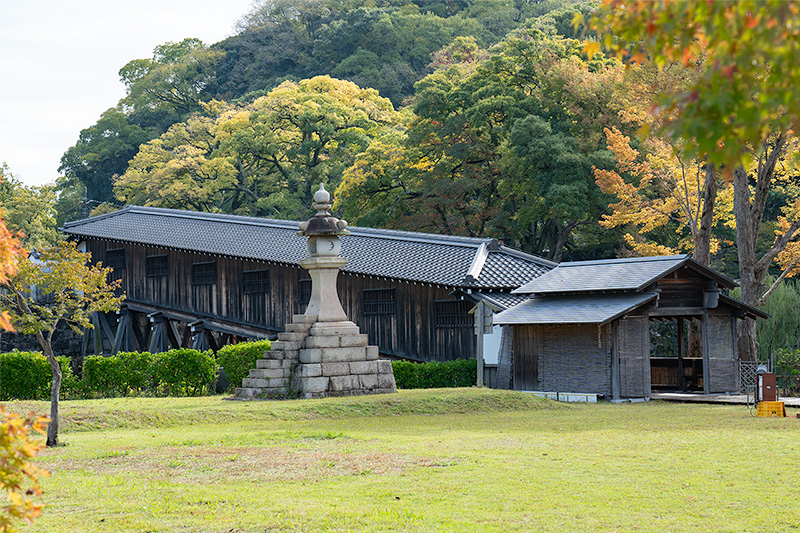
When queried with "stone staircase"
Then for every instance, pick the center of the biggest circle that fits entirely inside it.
(314, 359)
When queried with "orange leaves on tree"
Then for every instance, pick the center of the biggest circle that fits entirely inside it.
(10, 249)
(19, 477)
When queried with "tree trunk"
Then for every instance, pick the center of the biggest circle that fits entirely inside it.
(746, 236)
(55, 389)
(702, 238)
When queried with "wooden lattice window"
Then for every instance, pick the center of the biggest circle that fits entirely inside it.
(453, 314)
(156, 266)
(255, 281)
(115, 258)
(379, 302)
(303, 293)
(204, 273)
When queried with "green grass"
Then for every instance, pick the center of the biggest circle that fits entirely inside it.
(440, 460)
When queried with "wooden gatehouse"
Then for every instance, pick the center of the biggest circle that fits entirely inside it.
(585, 328)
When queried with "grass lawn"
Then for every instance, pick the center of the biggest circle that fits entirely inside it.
(440, 460)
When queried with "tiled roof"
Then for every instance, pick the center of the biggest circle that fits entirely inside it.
(421, 257)
(497, 300)
(594, 309)
(630, 274)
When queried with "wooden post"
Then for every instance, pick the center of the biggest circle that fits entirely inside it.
(616, 388)
(706, 354)
(681, 354)
(480, 310)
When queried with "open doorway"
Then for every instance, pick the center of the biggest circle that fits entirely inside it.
(676, 354)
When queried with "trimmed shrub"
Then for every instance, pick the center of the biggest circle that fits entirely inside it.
(24, 376)
(434, 375)
(27, 376)
(184, 372)
(124, 374)
(238, 359)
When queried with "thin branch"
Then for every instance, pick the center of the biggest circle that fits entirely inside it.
(777, 282)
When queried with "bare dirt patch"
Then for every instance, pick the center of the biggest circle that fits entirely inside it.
(199, 464)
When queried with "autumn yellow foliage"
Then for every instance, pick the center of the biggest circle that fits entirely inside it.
(19, 477)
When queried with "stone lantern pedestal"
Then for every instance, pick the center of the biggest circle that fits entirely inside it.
(321, 353)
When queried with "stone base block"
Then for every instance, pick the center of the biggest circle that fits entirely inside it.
(322, 341)
(309, 371)
(304, 319)
(364, 367)
(315, 385)
(335, 369)
(340, 355)
(386, 381)
(334, 328)
(311, 355)
(368, 381)
(360, 340)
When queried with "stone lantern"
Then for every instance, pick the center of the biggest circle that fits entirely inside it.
(321, 353)
(323, 264)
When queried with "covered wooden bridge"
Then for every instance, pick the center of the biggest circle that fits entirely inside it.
(585, 328)
(204, 280)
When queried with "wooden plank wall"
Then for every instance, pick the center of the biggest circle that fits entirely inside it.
(409, 332)
(634, 357)
(570, 358)
(683, 291)
(721, 361)
(525, 354)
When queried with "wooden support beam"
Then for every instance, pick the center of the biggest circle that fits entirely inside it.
(677, 311)
(96, 335)
(109, 333)
(137, 330)
(212, 341)
(172, 333)
(186, 341)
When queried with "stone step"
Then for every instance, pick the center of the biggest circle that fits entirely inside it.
(298, 328)
(270, 373)
(255, 393)
(286, 345)
(292, 336)
(304, 319)
(274, 363)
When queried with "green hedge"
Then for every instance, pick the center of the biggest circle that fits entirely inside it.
(27, 376)
(238, 359)
(184, 372)
(434, 375)
(124, 374)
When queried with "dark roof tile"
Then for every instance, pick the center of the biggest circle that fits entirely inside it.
(421, 257)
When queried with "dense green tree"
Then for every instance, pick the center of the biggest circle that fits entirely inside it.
(29, 210)
(262, 158)
(174, 80)
(501, 147)
(102, 152)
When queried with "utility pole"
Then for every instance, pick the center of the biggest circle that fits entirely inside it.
(85, 203)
